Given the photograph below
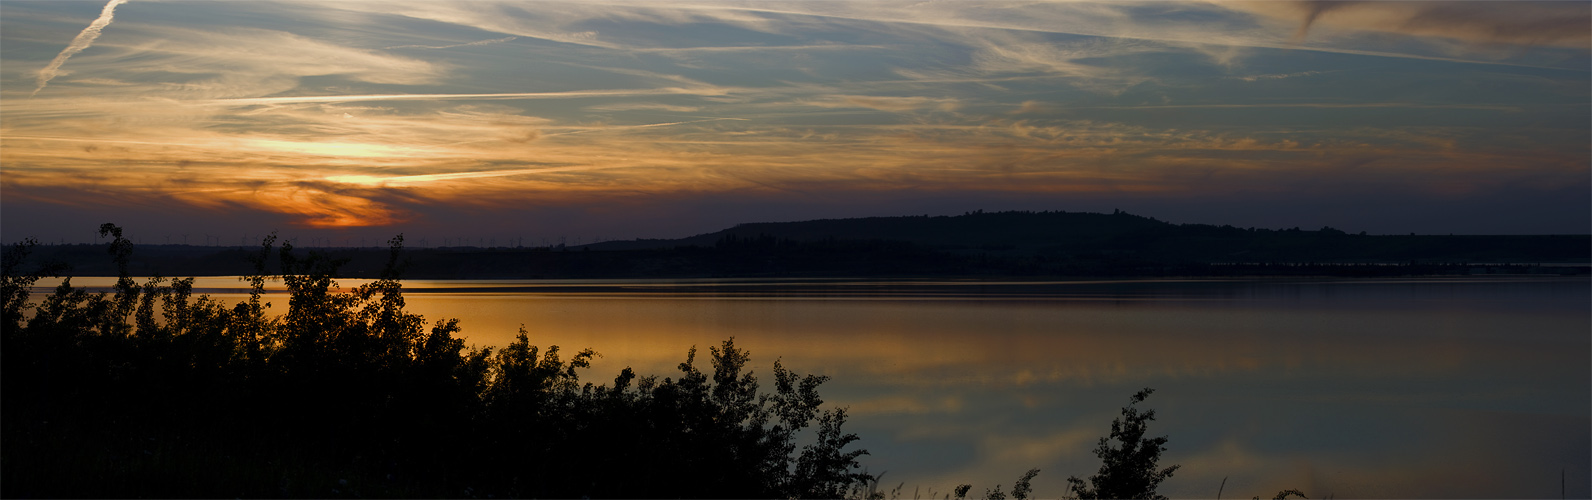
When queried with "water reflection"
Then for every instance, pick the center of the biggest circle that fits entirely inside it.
(1353, 388)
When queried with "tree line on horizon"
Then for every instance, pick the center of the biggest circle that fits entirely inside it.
(973, 244)
(150, 391)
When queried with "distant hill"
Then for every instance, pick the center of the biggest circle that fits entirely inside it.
(1027, 230)
(1124, 234)
(973, 244)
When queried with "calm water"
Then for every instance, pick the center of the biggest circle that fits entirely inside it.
(1441, 387)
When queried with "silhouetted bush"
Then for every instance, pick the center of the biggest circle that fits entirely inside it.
(148, 391)
(1128, 470)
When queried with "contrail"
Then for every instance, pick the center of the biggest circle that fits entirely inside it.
(415, 179)
(470, 44)
(78, 44)
(616, 127)
(250, 101)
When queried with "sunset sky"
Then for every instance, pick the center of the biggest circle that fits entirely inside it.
(350, 120)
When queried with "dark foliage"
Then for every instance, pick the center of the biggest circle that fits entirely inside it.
(147, 391)
(1284, 494)
(1129, 469)
(1021, 490)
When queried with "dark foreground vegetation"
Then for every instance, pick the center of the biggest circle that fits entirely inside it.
(973, 244)
(148, 391)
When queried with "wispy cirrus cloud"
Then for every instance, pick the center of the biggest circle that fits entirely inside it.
(572, 103)
(1560, 24)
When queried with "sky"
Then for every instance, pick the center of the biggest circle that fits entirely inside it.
(346, 122)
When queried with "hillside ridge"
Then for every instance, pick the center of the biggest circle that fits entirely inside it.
(977, 243)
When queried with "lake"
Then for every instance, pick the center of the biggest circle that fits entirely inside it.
(1419, 387)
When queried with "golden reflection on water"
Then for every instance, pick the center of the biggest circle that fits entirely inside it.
(1397, 388)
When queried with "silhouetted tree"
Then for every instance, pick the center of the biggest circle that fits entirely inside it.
(1128, 470)
(14, 283)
